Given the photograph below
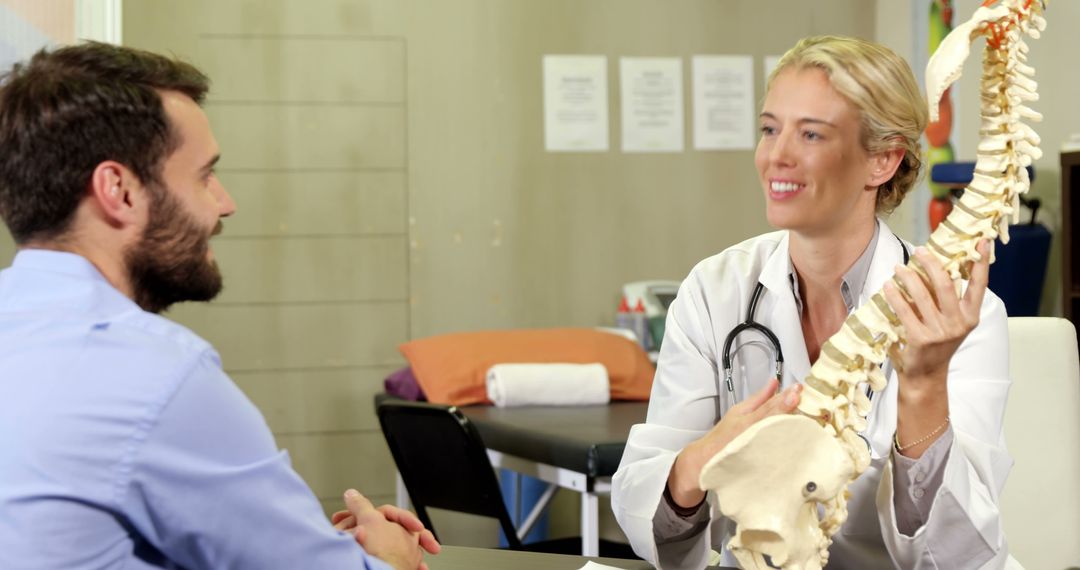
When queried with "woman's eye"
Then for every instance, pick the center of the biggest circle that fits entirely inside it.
(767, 130)
(812, 135)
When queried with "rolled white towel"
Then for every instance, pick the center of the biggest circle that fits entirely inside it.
(510, 385)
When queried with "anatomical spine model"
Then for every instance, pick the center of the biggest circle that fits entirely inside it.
(773, 478)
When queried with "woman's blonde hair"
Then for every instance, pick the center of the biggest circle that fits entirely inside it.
(880, 85)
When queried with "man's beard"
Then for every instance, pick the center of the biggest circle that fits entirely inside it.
(169, 263)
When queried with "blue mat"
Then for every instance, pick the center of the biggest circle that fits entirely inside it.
(1019, 271)
(960, 173)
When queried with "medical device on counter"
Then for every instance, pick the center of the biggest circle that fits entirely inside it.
(647, 302)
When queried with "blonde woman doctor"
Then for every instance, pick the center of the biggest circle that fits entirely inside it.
(840, 129)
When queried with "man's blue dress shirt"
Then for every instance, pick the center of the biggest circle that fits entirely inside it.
(123, 444)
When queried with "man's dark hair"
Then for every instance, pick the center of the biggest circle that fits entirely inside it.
(66, 111)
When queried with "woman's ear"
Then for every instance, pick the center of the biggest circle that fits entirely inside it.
(113, 188)
(883, 166)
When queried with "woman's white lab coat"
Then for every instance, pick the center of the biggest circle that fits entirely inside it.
(963, 529)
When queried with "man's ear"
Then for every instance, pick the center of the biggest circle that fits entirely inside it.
(117, 192)
(883, 166)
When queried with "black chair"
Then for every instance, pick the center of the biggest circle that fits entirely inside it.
(444, 465)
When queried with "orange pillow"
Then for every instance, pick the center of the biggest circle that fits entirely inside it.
(451, 368)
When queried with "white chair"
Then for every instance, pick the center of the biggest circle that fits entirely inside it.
(1041, 501)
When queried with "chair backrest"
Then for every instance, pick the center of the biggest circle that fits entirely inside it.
(1041, 501)
(443, 462)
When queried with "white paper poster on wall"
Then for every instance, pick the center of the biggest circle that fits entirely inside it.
(723, 102)
(575, 103)
(652, 104)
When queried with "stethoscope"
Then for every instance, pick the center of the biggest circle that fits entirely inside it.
(751, 324)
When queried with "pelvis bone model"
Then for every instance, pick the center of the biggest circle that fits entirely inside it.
(784, 481)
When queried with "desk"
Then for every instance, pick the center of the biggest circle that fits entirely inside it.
(576, 447)
(466, 558)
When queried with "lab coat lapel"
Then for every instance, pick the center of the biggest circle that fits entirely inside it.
(782, 314)
(887, 255)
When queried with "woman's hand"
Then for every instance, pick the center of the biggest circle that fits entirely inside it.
(683, 480)
(935, 321)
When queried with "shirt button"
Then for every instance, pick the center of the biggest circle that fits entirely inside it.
(919, 477)
(919, 493)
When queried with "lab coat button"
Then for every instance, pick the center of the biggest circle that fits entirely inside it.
(919, 477)
(919, 493)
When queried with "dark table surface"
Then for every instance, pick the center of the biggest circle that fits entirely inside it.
(586, 439)
(468, 558)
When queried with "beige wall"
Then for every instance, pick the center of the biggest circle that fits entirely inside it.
(7, 248)
(507, 235)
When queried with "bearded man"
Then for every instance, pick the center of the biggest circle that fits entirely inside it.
(123, 444)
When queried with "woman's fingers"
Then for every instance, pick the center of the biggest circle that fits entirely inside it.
(768, 402)
(971, 304)
(943, 287)
(786, 401)
(902, 307)
(920, 296)
(760, 397)
(782, 403)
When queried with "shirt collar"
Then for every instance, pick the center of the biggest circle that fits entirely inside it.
(63, 262)
(853, 281)
(41, 279)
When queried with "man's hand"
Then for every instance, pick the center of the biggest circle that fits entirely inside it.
(392, 534)
(345, 521)
(412, 524)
